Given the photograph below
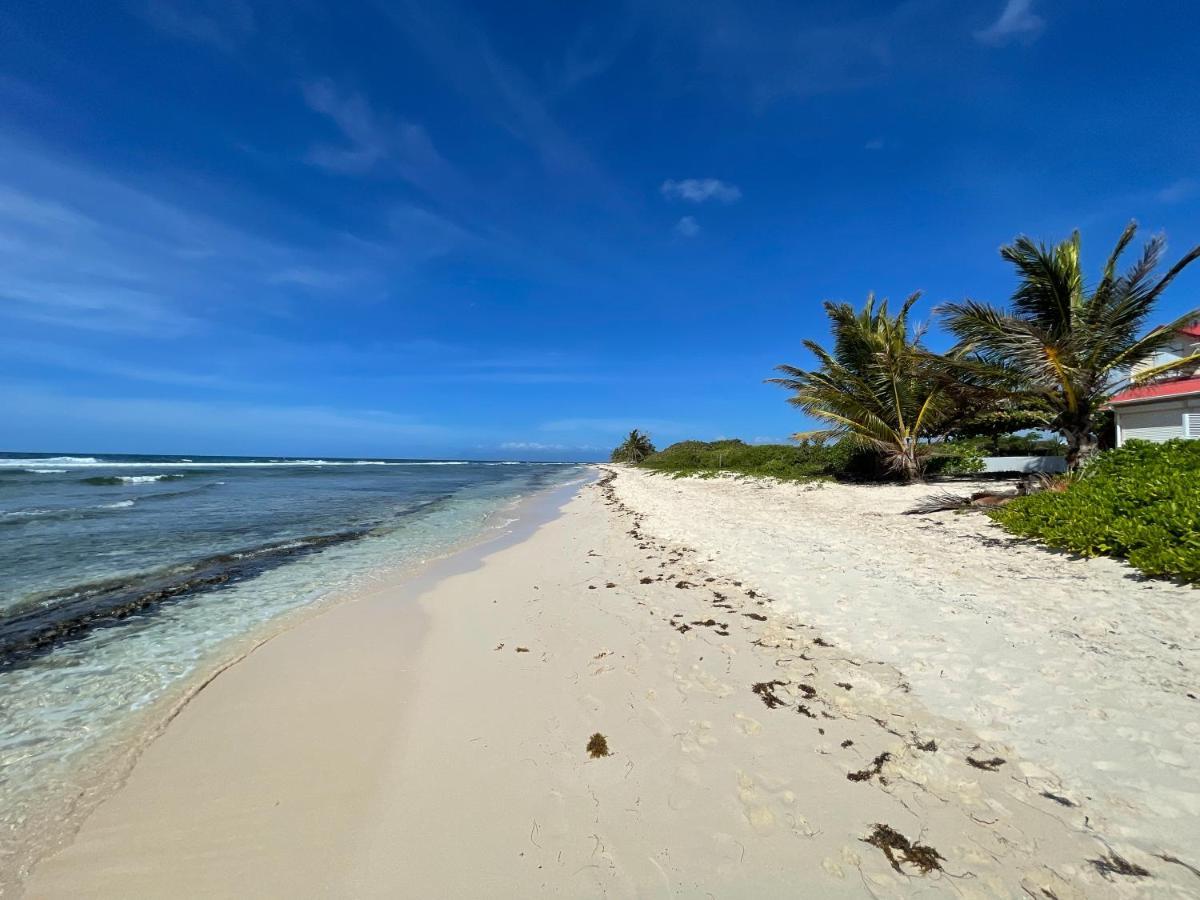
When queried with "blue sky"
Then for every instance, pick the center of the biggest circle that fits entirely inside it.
(518, 230)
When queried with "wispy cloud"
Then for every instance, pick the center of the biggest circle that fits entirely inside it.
(781, 50)
(535, 445)
(460, 51)
(1179, 191)
(373, 142)
(222, 24)
(592, 53)
(698, 190)
(79, 358)
(107, 420)
(1017, 22)
(687, 227)
(89, 251)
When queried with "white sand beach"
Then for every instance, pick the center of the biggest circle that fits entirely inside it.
(803, 692)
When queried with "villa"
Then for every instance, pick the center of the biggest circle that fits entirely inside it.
(1166, 408)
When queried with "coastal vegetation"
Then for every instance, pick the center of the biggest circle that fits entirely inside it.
(634, 449)
(806, 460)
(802, 461)
(1137, 502)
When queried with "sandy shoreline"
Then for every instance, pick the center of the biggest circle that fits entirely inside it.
(754, 660)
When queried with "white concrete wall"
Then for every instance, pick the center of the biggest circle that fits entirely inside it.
(1156, 421)
(1047, 464)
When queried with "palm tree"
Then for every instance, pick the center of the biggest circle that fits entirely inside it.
(878, 388)
(1061, 345)
(634, 448)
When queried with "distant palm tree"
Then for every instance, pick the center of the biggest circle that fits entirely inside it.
(877, 388)
(634, 448)
(1061, 345)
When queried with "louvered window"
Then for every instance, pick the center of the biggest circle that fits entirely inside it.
(1191, 425)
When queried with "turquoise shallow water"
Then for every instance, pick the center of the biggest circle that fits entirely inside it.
(125, 579)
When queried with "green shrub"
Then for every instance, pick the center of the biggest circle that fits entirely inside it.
(1030, 444)
(956, 458)
(1140, 502)
(801, 461)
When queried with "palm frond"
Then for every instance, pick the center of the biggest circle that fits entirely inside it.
(1144, 375)
(1058, 344)
(1051, 281)
(876, 386)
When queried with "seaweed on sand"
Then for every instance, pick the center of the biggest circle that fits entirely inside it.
(597, 746)
(1058, 798)
(899, 849)
(872, 770)
(1112, 864)
(766, 691)
(988, 765)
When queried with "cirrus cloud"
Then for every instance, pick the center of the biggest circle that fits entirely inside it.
(687, 227)
(1017, 21)
(700, 190)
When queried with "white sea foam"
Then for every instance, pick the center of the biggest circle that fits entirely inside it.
(47, 471)
(40, 512)
(146, 479)
(25, 513)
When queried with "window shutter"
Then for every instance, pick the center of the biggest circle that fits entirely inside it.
(1191, 425)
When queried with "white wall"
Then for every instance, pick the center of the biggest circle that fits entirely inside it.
(1157, 421)
(1047, 464)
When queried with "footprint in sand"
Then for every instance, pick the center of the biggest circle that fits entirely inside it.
(696, 739)
(683, 789)
(747, 724)
(760, 816)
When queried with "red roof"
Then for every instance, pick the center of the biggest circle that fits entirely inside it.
(1157, 390)
(1191, 330)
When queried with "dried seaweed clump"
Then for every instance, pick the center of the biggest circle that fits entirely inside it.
(1112, 864)
(899, 849)
(597, 746)
(988, 765)
(766, 691)
(871, 771)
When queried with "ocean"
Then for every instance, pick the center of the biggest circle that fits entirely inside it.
(126, 579)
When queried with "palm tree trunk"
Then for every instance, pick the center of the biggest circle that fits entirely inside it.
(907, 466)
(1081, 444)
